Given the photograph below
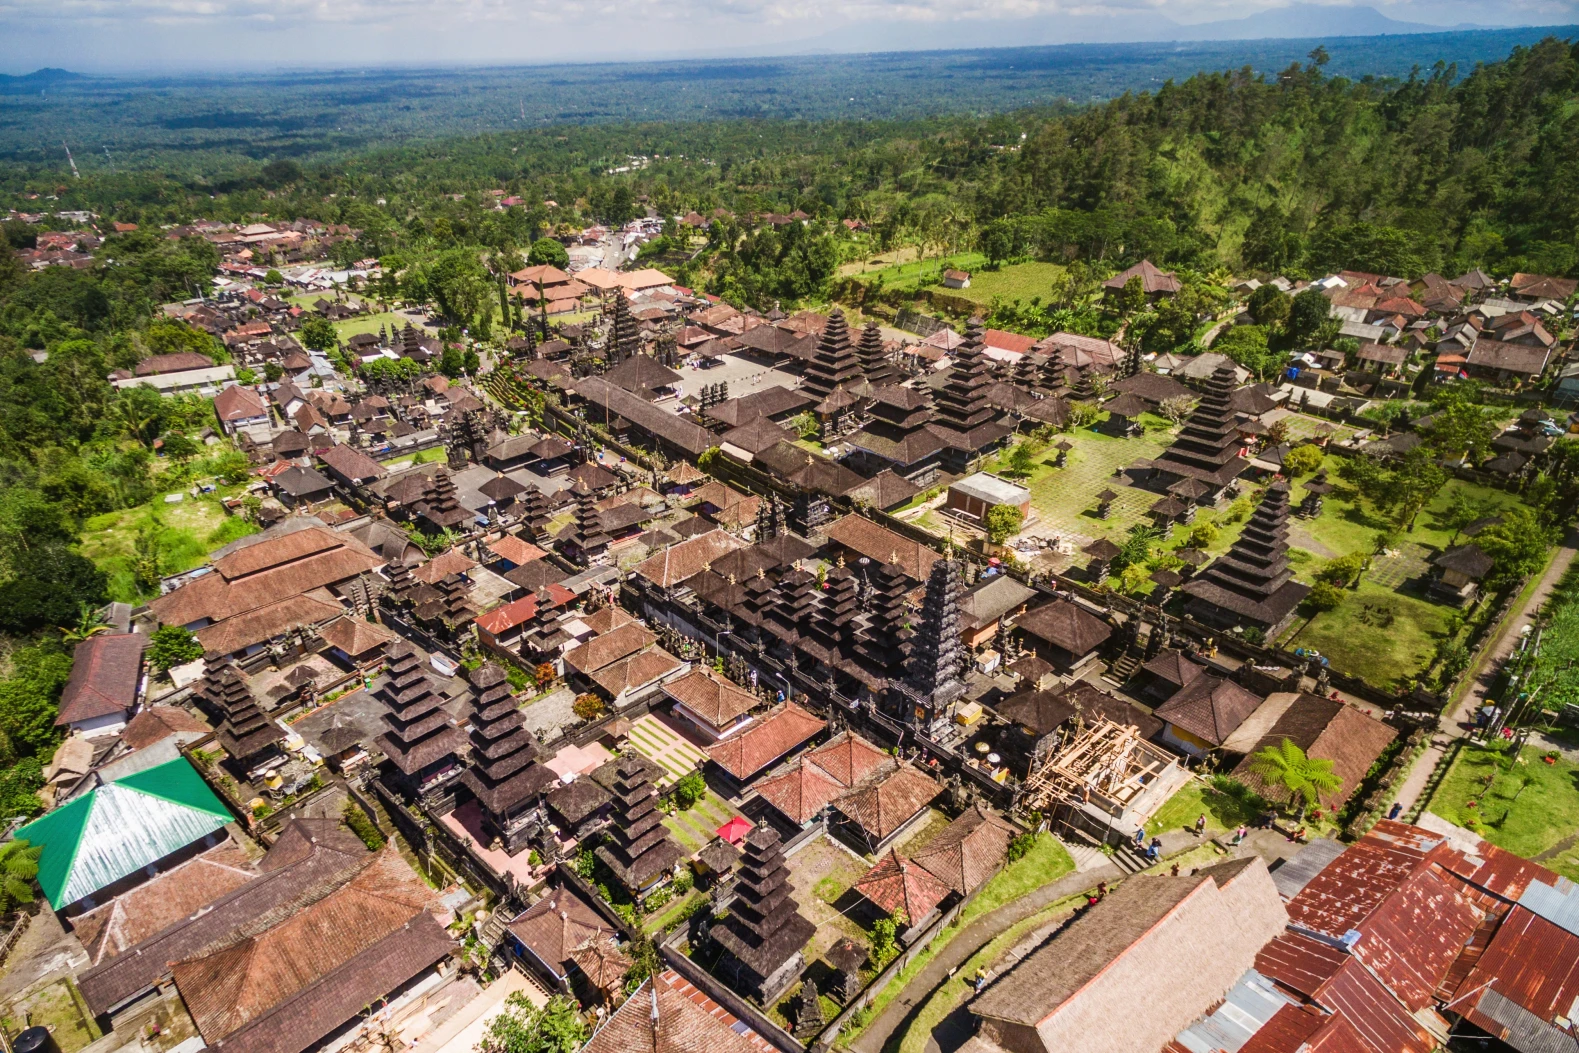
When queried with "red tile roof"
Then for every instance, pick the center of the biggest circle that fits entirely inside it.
(882, 807)
(800, 793)
(666, 1014)
(515, 550)
(711, 697)
(899, 885)
(747, 752)
(687, 559)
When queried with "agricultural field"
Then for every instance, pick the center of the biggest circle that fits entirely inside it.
(183, 534)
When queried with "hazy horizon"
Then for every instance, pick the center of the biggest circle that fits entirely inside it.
(204, 37)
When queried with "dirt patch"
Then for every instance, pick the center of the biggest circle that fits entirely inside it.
(822, 874)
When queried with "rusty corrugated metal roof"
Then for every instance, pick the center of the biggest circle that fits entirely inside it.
(1299, 963)
(1531, 962)
(1412, 939)
(1375, 1014)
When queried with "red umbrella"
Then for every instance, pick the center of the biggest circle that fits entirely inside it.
(735, 830)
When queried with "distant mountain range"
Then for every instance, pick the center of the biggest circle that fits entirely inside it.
(1297, 21)
(38, 80)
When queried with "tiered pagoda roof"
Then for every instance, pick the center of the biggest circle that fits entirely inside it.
(765, 928)
(534, 510)
(900, 427)
(835, 364)
(585, 533)
(1251, 582)
(833, 625)
(640, 849)
(400, 579)
(419, 734)
(934, 667)
(875, 365)
(793, 606)
(963, 410)
(884, 642)
(502, 773)
(624, 338)
(244, 732)
(1208, 446)
(440, 506)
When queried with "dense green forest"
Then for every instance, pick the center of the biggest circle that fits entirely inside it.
(1297, 171)
(207, 124)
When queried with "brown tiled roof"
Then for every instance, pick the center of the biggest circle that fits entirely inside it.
(267, 571)
(355, 636)
(352, 463)
(898, 885)
(105, 672)
(1516, 358)
(878, 543)
(231, 988)
(1174, 667)
(800, 793)
(711, 697)
(150, 908)
(747, 752)
(1326, 729)
(655, 420)
(969, 850)
(667, 1015)
(1210, 708)
(265, 623)
(687, 559)
(273, 896)
(176, 363)
(769, 402)
(238, 403)
(607, 619)
(157, 723)
(882, 807)
(1152, 280)
(515, 550)
(884, 490)
(443, 565)
(757, 435)
(310, 1015)
(554, 926)
(849, 759)
(637, 671)
(1065, 625)
(609, 648)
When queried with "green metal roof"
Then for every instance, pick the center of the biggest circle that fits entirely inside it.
(119, 828)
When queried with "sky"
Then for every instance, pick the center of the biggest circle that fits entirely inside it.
(177, 36)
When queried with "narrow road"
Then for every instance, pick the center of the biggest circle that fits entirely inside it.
(893, 1021)
(1459, 720)
(973, 938)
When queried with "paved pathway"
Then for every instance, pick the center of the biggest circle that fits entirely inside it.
(1459, 720)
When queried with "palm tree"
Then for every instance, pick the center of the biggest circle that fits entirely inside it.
(1305, 778)
(90, 623)
(18, 868)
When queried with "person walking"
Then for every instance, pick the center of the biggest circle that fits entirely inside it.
(1200, 824)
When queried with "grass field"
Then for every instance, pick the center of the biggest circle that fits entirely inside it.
(1362, 641)
(187, 532)
(1016, 281)
(699, 825)
(1530, 807)
(1223, 812)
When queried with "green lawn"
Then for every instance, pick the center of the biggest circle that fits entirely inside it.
(1017, 281)
(187, 532)
(1377, 633)
(1365, 642)
(420, 457)
(1046, 862)
(1529, 808)
(1223, 812)
(370, 323)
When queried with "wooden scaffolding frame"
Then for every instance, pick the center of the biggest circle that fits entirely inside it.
(1099, 757)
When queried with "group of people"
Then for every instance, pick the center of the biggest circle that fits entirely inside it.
(1153, 850)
